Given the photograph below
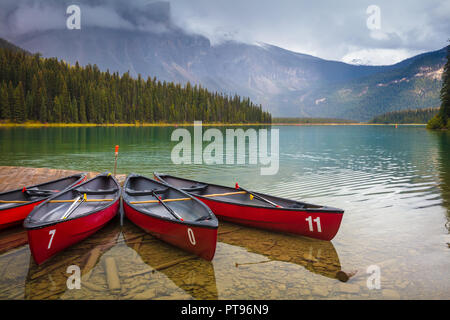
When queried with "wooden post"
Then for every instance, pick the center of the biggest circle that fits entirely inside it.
(116, 154)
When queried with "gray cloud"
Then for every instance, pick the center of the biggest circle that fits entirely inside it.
(26, 16)
(328, 29)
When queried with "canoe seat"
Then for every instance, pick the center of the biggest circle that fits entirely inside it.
(145, 192)
(39, 192)
(296, 206)
(195, 188)
(87, 191)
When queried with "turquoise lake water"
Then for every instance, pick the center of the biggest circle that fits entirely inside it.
(394, 185)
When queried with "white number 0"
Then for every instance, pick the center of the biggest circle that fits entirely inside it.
(310, 223)
(191, 236)
(52, 233)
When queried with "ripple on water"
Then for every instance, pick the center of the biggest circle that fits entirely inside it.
(393, 184)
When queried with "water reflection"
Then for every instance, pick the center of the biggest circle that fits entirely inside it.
(193, 275)
(147, 268)
(49, 280)
(14, 261)
(319, 257)
(394, 185)
(444, 170)
(12, 238)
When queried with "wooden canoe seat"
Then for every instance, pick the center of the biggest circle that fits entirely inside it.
(106, 191)
(195, 188)
(145, 192)
(39, 192)
(297, 206)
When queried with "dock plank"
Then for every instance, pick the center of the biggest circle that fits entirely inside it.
(12, 178)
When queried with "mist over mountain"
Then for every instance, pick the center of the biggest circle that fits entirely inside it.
(142, 38)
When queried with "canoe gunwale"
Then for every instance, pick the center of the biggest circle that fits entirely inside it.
(210, 223)
(32, 226)
(324, 209)
(314, 210)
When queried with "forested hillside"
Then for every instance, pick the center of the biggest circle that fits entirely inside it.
(407, 116)
(49, 90)
(414, 83)
(442, 119)
(309, 120)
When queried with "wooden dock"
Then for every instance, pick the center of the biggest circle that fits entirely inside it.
(12, 178)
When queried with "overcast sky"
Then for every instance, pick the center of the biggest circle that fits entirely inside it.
(336, 30)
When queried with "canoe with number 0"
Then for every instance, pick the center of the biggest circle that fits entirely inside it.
(15, 205)
(255, 209)
(72, 216)
(171, 215)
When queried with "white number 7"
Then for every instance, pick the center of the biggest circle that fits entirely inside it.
(52, 233)
(310, 223)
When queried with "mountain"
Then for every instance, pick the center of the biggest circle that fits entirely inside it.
(49, 90)
(286, 83)
(263, 72)
(414, 83)
(8, 45)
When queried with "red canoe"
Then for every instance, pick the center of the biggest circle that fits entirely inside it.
(17, 204)
(171, 215)
(71, 216)
(259, 210)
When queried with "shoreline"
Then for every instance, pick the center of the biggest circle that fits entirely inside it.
(13, 176)
(162, 124)
(60, 125)
(349, 124)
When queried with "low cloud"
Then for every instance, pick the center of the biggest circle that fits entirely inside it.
(28, 16)
(377, 56)
(328, 29)
(335, 30)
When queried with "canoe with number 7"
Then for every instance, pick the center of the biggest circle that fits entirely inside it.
(15, 205)
(171, 215)
(255, 209)
(71, 216)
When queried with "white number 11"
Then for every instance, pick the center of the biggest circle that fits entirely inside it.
(310, 222)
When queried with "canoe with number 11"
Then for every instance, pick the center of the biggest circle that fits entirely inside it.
(254, 209)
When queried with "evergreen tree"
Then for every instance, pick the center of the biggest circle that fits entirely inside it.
(74, 111)
(19, 104)
(65, 102)
(445, 91)
(11, 99)
(442, 119)
(4, 102)
(34, 114)
(82, 111)
(43, 108)
(29, 103)
(57, 110)
(48, 90)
